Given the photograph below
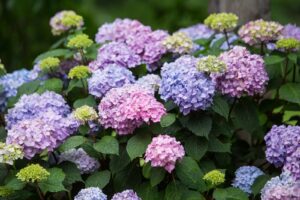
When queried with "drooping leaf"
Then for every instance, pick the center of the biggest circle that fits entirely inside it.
(72, 142)
(167, 120)
(107, 145)
(98, 179)
(54, 183)
(72, 173)
(221, 107)
(290, 92)
(196, 147)
(274, 59)
(200, 126)
(215, 145)
(53, 84)
(259, 183)
(136, 145)
(157, 175)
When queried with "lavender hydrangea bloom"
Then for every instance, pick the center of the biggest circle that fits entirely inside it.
(83, 161)
(291, 31)
(115, 53)
(292, 164)
(30, 106)
(113, 76)
(245, 177)
(150, 82)
(198, 31)
(281, 141)
(187, 87)
(231, 38)
(91, 193)
(126, 195)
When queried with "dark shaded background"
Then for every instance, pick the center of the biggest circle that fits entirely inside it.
(25, 30)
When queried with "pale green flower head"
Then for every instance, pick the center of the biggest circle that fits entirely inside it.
(71, 19)
(79, 72)
(5, 192)
(221, 21)
(85, 113)
(33, 173)
(179, 42)
(49, 64)
(288, 44)
(10, 152)
(211, 64)
(79, 41)
(214, 177)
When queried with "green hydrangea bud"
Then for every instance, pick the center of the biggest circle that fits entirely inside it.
(221, 21)
(79, 72)
(10, 152)
(49, 64)
(5, 192)
(71, 19)
(79, 41)
(214, 177)
(85, 113)
(288, 44)
(33, 173)
(211, 64)
(179, 43)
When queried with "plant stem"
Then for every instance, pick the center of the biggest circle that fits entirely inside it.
(69, 195)
(227, 39)
(84, 85)
(39, 192)
(84, 60)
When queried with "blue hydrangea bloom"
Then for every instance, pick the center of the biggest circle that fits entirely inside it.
(91, 193)
(245, 177)
(187, 87)
(126, 195)
(150, 82)
(112, 76)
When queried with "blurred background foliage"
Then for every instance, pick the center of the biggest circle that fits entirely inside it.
(25, 30)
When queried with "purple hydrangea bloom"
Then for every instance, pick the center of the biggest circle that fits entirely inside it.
(91, 193)
(292, 164)
(245, 177)
(113, 76)
(44, 132)
(83, 161)
(198, 31)
(115, 53)
(291, 31)
(281, 187)
(187, 87)
(281, 141)
(150, 82)
(231, 38)
(126, 195)
(33, 105)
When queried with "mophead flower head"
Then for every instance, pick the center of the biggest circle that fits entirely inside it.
(79, 41)
(260, 31)
(164, 151)
(288, 44)
(292, 164)
(178, 43)
(245, 177)
(214, 177)
(187, 87)
(49, 64)
(126, 195)
(91, 193)
(245, 73)
(211, 64)
(112, 76)
(64, 21)
(79, 72)
(10, 152)
(126, 108)
(290, 31)
(198, 31)
(33, 173)
(85, 113)
(221, 21)
(150, 82)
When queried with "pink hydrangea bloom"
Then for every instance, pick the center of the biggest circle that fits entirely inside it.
(164, 151)
(128, 107)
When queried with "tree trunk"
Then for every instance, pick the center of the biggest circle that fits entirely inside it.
(247, 10)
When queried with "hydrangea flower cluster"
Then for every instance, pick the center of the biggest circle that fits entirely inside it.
(80, 41)
(221, 21)
(33, 173)
(150, 82)
(288, 44)
(115, 53)
(197, 31)
(128, 107)
(49, 64)
(126, 195)
(292, 164)
(245, 73)
(113, 76)
(164, 151)
(260, 31)
(214, 177)
(245, 177)
(10, 152)
(211, 64)
(83, 161)
(187, 87)
(64, 21)
(85, 113)
(282, 187)
(79, 72)
(178, 43)
(290, 31)
(91, 193)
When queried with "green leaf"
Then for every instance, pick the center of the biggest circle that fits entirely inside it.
(136, 145)
(72, 142)
(139, 71)
(54, 181)
(72, 173)
(167, 120)
(89, 101)
(157, 175)
(229, 194)
(196, 147)
(146, 192)
(74, 83)
(192, 195)
(98, 179)
(215, 145)
(174, 191)
(53, 84)
(118, 163)
(217, 44)
(107, 145)
(290, 92)
(12, 182)
(221, 107)
(293, 57)
(200, 126)
(259, 183)
(147, 170)
(274, 59)
(54, 53)
(28, 88)
(3, 134)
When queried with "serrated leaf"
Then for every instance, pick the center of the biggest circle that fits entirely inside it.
(89, 101)
(229, 194)
(136, 145)
(107, 145)
(157, 175)
(259, 183)
(98, 179)
(221, 107)
(174, 191)
(13, 182)
(146, 192)
(215, 145)
(274, 59)
(118, 163)
(72, 173)
(167, 120)
(54, 53)
(54, 181)
(200, 126)
(196, 147)
(72, 142)
(53, 84)
(290, 92)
